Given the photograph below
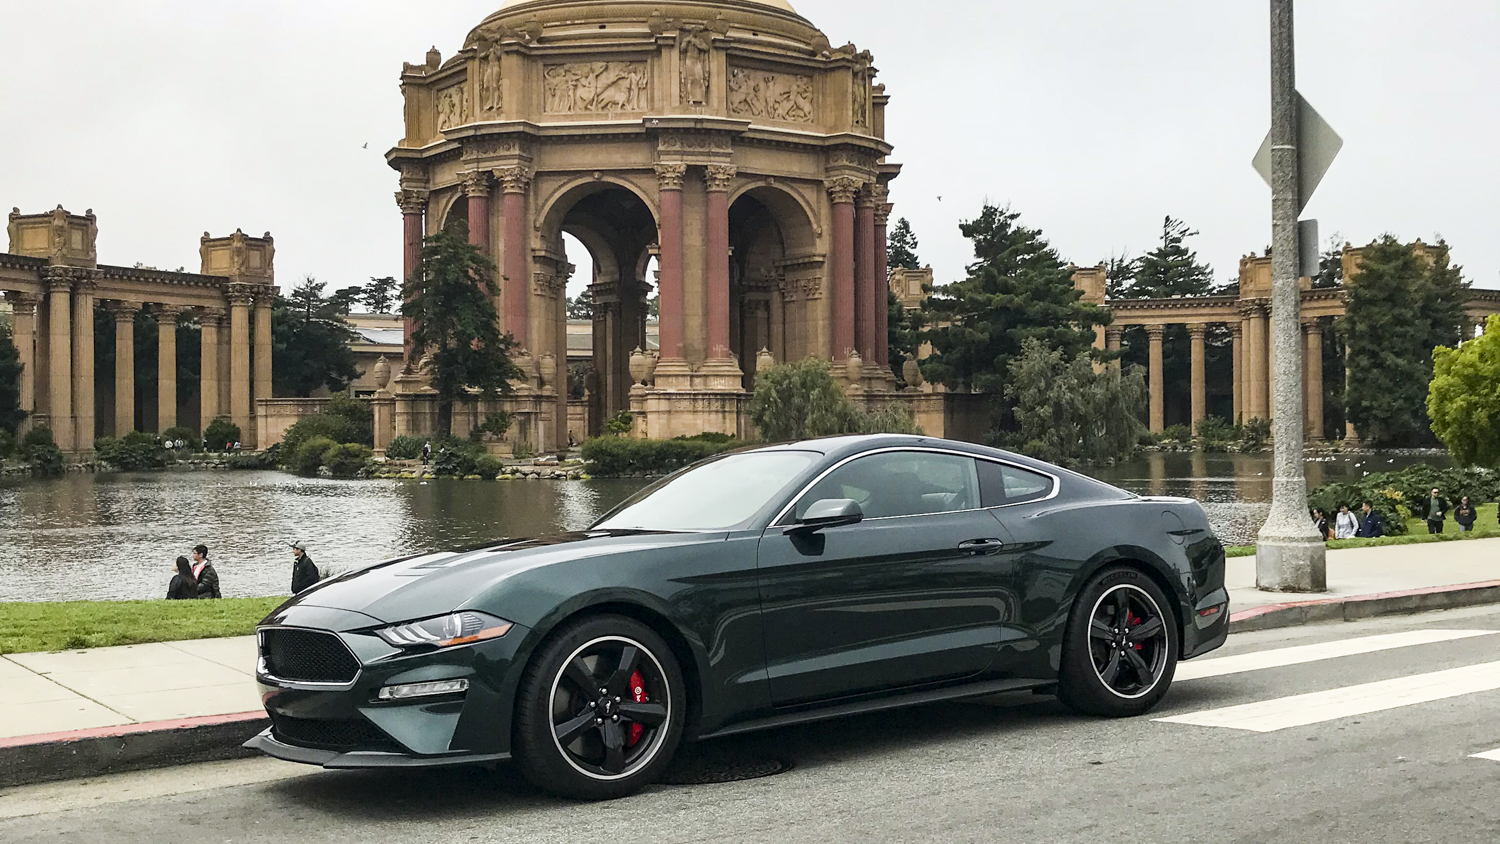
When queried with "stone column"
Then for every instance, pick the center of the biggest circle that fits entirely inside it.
(842, 191)
(1351, 434)
(208, 408)
(517, 263)
(1158, 379)
(24, 310)
(1237, 333)
(1112, 338)
(1313, 332)
(124, 313)
(1257, 365)
(719, 178)
(83, 365)
(413, 207)
(264, 299)
(1197, 334)
(166, 368)
(239, 358)
(778, 325)
(669, 260)
(60, 355)
(864, 274)
(883, 210)
(477, 189)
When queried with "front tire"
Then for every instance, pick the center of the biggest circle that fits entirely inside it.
(600, 710)
(1121, 647)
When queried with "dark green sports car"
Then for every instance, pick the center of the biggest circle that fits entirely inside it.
(765, 587)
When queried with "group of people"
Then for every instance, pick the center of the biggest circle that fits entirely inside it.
(1367, 524)
(197, 579)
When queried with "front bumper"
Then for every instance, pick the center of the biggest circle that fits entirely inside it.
(347, 726)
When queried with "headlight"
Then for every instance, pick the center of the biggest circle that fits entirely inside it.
(460, 628)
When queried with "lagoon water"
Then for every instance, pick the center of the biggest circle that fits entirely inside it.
(115, 537)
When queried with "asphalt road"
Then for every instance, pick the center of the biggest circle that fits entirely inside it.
(1322, 768)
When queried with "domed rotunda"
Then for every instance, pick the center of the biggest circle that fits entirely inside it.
(726, 139)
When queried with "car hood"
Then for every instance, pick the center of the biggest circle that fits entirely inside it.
(433, 584)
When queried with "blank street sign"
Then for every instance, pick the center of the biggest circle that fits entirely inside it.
(1320, 145)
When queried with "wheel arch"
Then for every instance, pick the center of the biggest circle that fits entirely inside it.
(1153, 567)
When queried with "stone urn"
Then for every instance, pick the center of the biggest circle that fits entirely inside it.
(764, 361)
(547, 369)
(854, 367)
(640, 366)
(911, 373)
(382, 373)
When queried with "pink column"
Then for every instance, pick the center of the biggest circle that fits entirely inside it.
(413, 208)
(477, 187)
(670, 178)
(864, 276)
(882, 279)
(843, 191)
(720, 177)
(517, 278)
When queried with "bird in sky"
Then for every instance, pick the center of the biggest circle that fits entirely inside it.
(366, 146)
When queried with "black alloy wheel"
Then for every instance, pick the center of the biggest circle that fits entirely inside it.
(1121, 648)
(600, 710)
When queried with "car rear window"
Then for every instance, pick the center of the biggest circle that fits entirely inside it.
(1001, 484)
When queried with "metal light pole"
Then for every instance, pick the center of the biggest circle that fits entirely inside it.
(1290, 556)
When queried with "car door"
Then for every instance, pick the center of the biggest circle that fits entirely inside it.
(915, 593)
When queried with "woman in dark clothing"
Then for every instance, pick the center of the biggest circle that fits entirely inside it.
(1465, 515)
(184, 586)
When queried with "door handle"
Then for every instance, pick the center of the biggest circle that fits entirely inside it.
(979, 547)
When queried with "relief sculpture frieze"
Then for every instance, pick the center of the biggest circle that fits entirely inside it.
(452, 107)
(595, 87)
(771, 96)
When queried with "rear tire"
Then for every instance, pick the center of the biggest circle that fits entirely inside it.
(1121, 647)
(600, 710)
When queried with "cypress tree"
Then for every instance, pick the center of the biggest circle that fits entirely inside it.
(901, 247)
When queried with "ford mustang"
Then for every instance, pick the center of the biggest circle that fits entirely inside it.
(765, 587)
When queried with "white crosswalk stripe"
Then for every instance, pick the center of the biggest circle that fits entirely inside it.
(1317, 707)
(1493, 756)
(1301, 654)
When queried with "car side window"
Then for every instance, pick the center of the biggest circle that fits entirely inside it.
(901, 483)
(1001, 484)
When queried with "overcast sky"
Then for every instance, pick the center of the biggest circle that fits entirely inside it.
(1094, 118)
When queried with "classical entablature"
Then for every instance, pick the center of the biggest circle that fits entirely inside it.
(728, 140)
(54, 284)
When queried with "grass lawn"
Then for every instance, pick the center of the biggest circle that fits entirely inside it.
(1485, 527)
(30, 628)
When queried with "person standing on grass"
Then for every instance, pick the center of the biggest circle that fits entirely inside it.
(1320, 521)
(204, 573)
(1437, 512)
(304, 572)
(1345, 525)
(1465, 514)
(184, 586)
(1371, 526)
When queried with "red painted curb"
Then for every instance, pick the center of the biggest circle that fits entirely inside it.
(1244, 615)
(132, 729)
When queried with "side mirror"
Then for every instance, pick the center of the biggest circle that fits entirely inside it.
(830, 513)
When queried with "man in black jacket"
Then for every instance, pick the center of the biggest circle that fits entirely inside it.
(1371, 526)
(208, 579)
(304, 571)
(1437, 512)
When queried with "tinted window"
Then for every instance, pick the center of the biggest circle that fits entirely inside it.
(1002, 484)
(715, 496)
(901, 483)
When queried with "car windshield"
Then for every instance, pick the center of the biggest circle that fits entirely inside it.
(720, 495)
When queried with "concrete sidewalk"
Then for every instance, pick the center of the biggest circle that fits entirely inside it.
(78, 713)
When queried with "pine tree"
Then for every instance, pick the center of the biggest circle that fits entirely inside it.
(379, 295)
(1330, 265)
(1018, 289)
(311, 341)
(11, 415)
(1119, 274)
(582, 306)
(1171, 269)
(902, 335)
(901, 247)
(456, 320)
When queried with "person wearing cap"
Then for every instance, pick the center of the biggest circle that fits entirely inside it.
(304, 571)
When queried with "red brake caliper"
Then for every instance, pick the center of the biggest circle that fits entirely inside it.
(1133, 622)
(638, 694)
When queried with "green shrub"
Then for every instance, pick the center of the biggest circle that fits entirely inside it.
(186, 435)
(257, 461)
(347, 460)
(8, 444)
(405, 448)
(220, 432)
(455, 458)
(890, 419)
(310, 455)
(488, 466)
(497, 424)
(318, 426)
(358, 413)
(1178, 433)
(1399, 495)
(616, 456)
(134, 452)
(1217, 434)
(40, 450)
(717, 439)
(1255, 433)
(620, 424)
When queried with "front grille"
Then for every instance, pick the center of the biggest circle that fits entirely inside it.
(307, 656)
(343, 734)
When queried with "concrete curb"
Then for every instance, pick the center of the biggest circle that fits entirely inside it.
(132, 747)
(1357, 607)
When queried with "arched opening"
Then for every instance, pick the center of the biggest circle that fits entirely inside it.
(772, 268)
(606, 231)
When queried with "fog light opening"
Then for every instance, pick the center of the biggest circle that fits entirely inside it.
(416, 690)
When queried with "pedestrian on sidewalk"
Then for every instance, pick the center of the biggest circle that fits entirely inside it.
(1345, 525)
(304, 572)
(1465, 514)
(1320, 521)
(184, 587)
(204, 573)
(1437, 512)
(1371, 526)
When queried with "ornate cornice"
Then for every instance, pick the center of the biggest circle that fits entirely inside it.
(720, 177)
(670, 175)
(843, 189)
